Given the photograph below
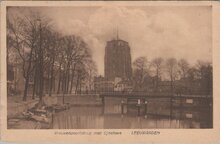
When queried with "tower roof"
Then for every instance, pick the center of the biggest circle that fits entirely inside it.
(113, 40)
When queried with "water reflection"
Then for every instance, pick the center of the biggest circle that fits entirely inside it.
(98, 117)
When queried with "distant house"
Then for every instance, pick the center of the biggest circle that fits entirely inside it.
(164, 86)
(123, 85)
(186, 86)
(103, 85)
(15, 80)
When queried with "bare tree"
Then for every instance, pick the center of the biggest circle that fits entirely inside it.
(75, 52)
(81, 77)
(171, 65)
(41, 55)
(205, 76)
(140, 68)
(24, 35)
(51, 54)
(13, 60)
(183, 68)
(60, 62)
(157, 66)
(92, 72)
(29, 37)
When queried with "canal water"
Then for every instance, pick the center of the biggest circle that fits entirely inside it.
(158, 116)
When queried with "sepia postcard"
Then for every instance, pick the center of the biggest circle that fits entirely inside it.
(110, 71)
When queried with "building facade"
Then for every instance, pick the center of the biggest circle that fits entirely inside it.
(103, 85)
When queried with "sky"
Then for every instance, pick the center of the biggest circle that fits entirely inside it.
(151, 31)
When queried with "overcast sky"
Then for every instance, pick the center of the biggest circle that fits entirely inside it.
(152, 31)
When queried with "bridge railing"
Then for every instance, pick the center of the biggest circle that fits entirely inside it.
(147, 94)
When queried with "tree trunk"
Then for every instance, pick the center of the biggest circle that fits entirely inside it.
(41, 68)
(64, 82)
(80, 87)
(35, 83)
(60, 75)
(54, 84)
(67, 81)
(51, 79)
(77, 83)
(157, 80)
(171, 85)
(26, 88)
(27, 76)
(48, 80)
(71, 84)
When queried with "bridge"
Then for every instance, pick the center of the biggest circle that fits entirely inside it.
(141, 95)
(141, 99)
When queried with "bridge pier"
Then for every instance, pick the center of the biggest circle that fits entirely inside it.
(139, 107)
(145, 107)
(171, 107)
(122, 107)
(211, 112)
(52, 119)
(103, 100)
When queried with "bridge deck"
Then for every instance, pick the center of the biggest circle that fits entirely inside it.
(142, 95)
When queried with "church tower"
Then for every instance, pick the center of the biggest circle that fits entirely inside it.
(117, 59)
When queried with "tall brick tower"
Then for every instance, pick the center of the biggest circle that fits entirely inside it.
(117, 60)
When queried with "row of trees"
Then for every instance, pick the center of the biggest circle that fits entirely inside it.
(191, 78)
(45, 55)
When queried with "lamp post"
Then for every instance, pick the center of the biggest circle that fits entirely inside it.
(41, 73)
